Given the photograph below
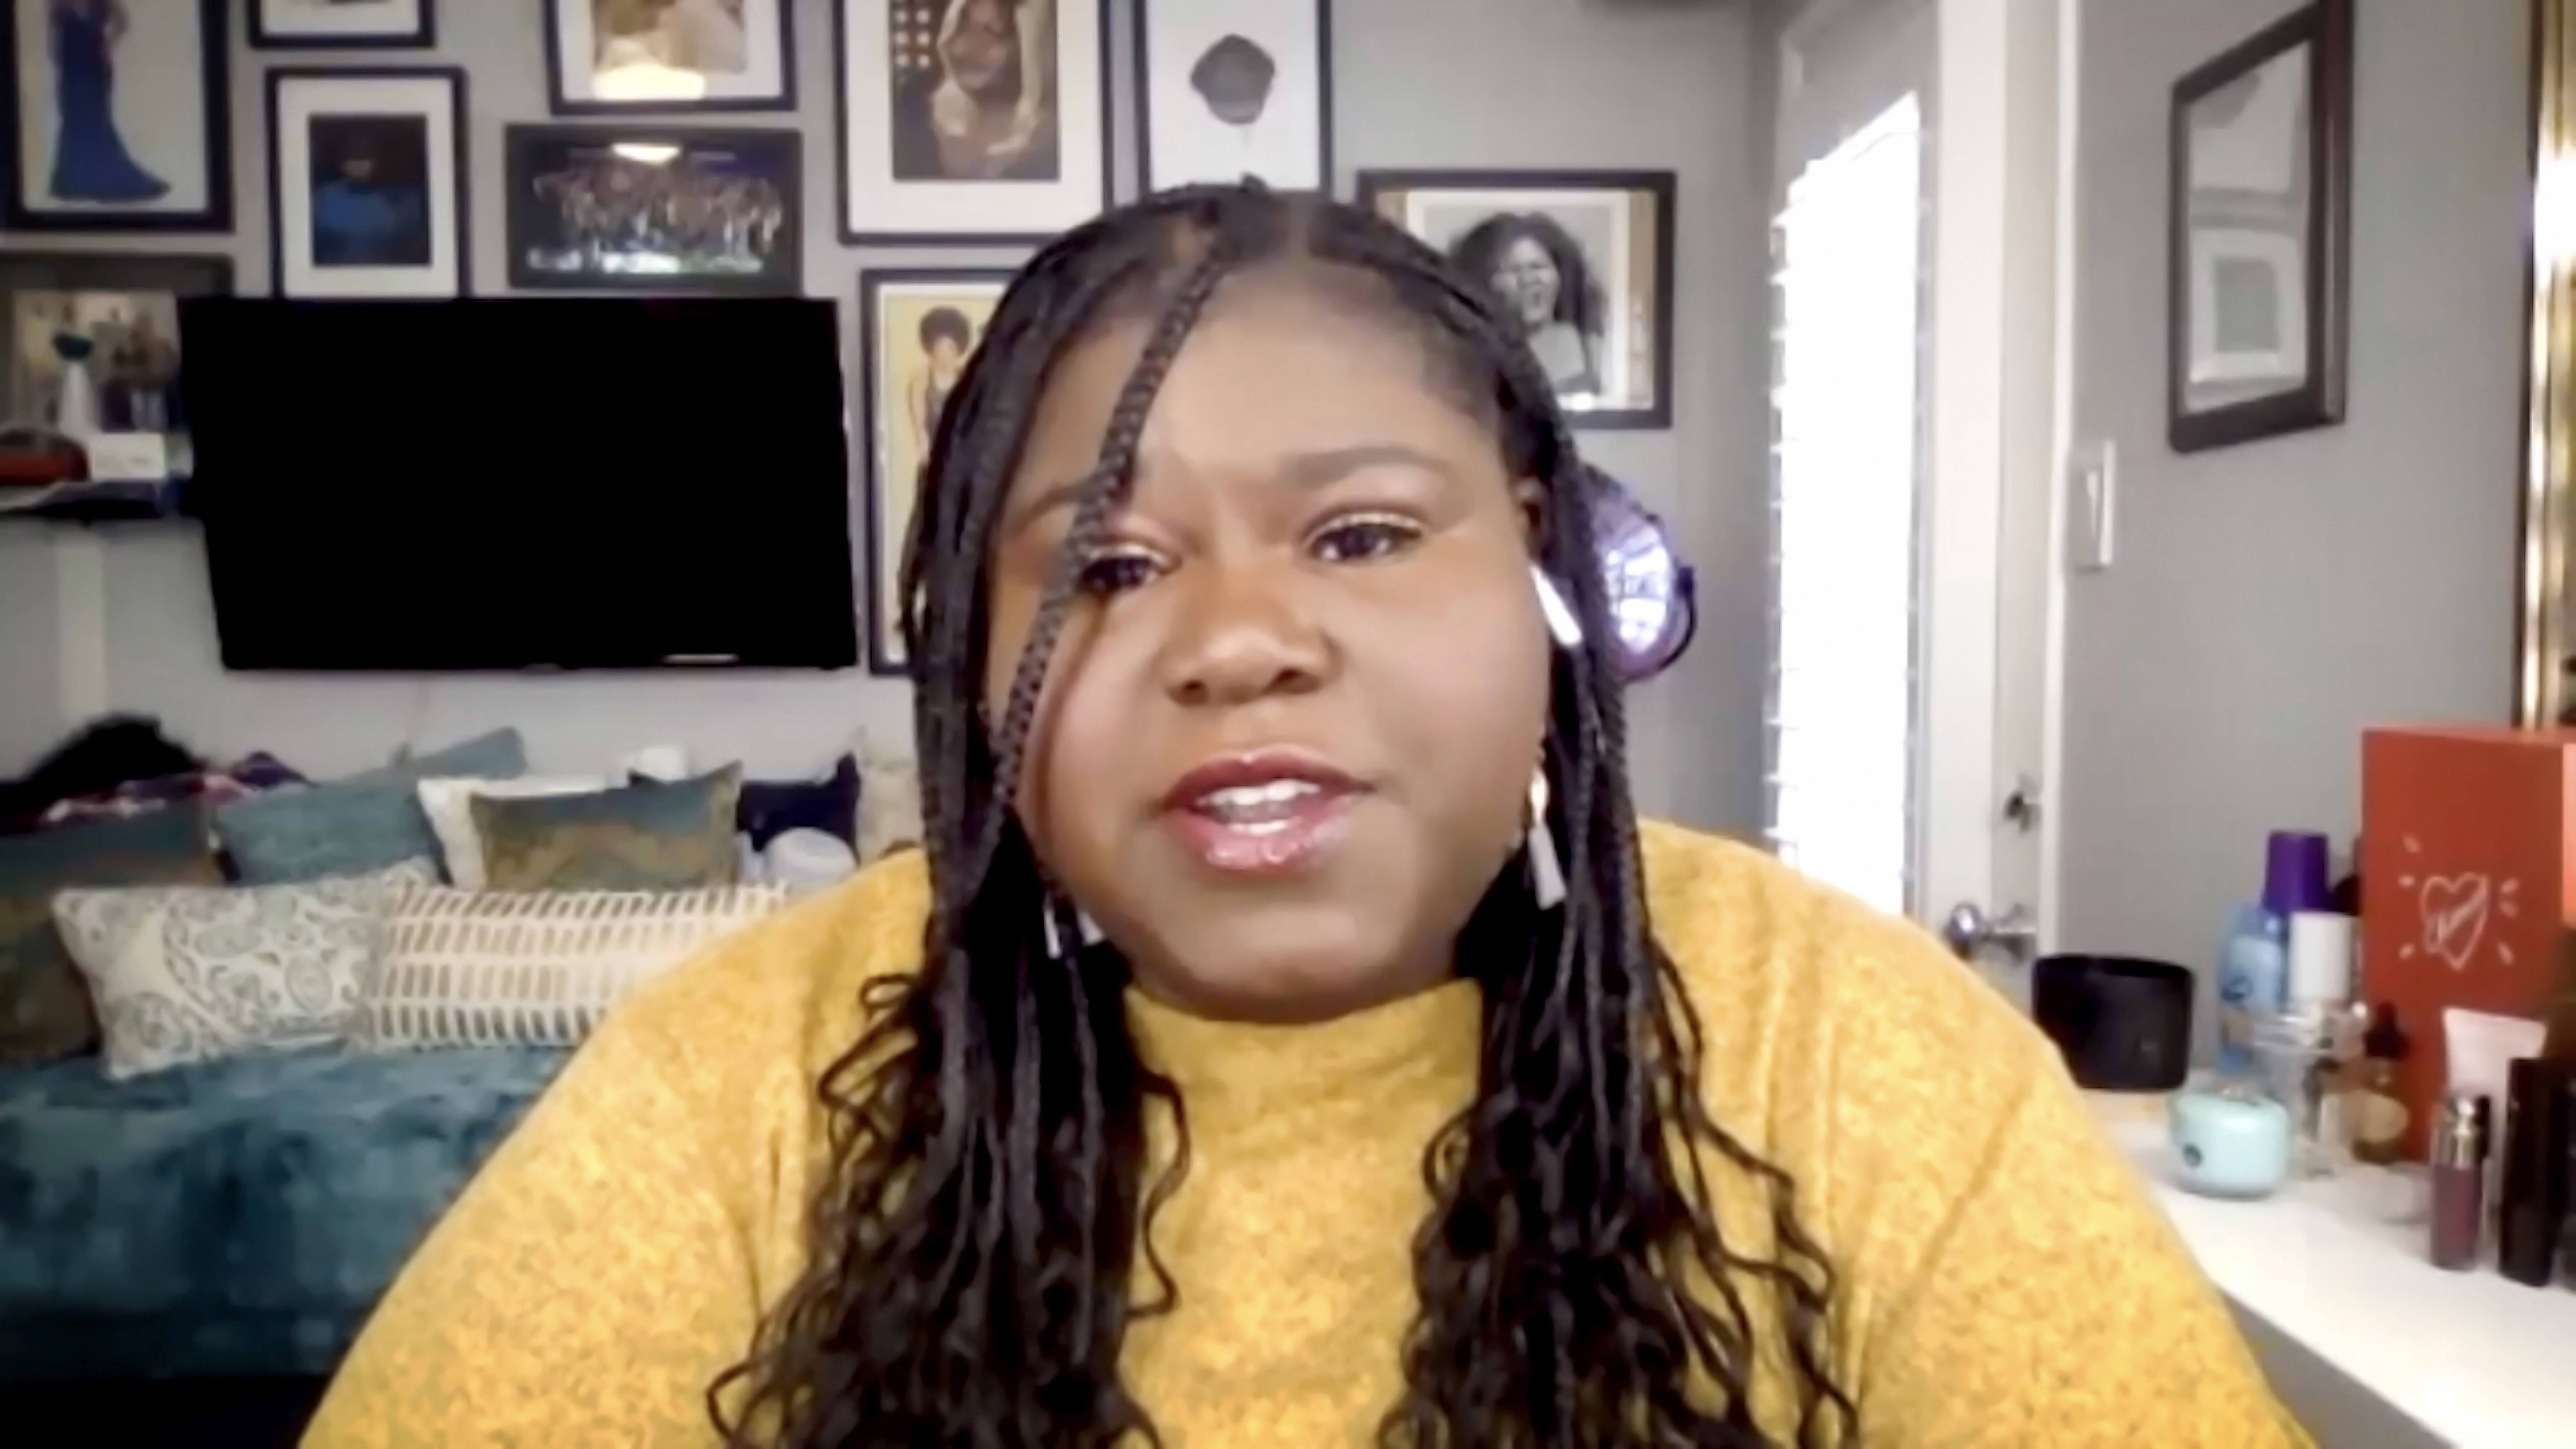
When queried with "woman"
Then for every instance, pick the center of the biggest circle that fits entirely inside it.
(1288, 1035)
(987, 113)
(1547, 288)
(90, 159)
(946, 339)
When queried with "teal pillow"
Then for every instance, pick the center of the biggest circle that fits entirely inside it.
(353, 826)
(646, 837)
(45, 1009)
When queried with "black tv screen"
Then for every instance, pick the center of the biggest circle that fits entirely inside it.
(522, 483)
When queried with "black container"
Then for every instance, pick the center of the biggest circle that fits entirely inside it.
(2124, 1024)
(2533, 1210)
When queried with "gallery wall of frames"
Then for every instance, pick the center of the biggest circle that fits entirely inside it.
(715, 146)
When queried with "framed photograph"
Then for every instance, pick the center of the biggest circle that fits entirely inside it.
(2259, 232)
(342, 24)
(610, 56)
(916, 330)
(1582, 261)
(119, 116)
(655, 209)
(367, 182)
(93, 347)
(1229, 91)
(971, 121)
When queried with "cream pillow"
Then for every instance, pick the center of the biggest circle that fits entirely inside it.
(190, 973)
(533, 968)
(449, 804)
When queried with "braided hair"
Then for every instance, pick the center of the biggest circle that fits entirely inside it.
(975, 1246)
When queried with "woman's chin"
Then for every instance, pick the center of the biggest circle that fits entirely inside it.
(1281, 973)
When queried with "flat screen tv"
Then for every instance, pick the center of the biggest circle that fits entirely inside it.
(502, 483)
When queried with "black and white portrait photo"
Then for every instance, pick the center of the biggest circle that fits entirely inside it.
(368, 182)
(655, 209)
(970, 118)
(669, 55)
(1230, 91)
(342, 24)
(117, 115)
(1580, 262)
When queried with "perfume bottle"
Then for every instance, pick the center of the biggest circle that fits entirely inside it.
(2459, 1182)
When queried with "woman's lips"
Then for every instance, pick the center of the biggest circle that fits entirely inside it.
(1271, 813)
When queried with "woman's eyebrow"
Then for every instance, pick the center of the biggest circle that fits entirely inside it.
(1305, 470)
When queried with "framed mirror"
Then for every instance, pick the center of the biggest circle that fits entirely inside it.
(2542, 693)
(2259, 217)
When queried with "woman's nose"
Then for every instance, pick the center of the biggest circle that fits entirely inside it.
(1243, 633)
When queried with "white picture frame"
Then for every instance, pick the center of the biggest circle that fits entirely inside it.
(406, 193)
(116, 121)
(699, 56)
(918, 167)
(343, 24)
(1229, 91)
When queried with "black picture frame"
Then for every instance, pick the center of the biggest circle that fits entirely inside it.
(178, 274)
(883, 662)
(2318, 400)
(214, 21)
(1143, 88)
(785, 278)
(843, 188)
(558, 103)
(1375, 185)
(282, 76)
(420, 37)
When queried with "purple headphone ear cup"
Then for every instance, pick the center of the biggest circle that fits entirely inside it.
(1654, 611)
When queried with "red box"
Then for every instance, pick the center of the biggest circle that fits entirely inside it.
(2467, 881)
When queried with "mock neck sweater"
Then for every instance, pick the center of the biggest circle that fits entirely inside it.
(2001, 1278)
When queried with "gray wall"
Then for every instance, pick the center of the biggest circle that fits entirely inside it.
(1422, 83)
(28, 667)
(2271, 600)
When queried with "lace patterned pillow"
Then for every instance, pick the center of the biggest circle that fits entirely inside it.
(187, 974)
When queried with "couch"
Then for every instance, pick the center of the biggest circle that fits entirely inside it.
(235, 1218)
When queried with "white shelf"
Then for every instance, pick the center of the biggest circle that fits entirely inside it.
(2474, 1358)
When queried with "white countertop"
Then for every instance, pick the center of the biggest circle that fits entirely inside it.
(2474, 1358)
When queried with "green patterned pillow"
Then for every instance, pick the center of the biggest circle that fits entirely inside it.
(45, 1009)
(646, 837)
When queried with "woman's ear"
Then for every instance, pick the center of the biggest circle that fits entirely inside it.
(1530, 497)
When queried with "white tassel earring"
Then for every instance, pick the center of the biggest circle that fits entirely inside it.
(1092, 935)
(1547, 873)
(1562, 626)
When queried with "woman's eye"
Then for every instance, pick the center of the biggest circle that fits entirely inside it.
(1116, 573)
(1357, 540)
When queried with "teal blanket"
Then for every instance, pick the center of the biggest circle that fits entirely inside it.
(240, 1217)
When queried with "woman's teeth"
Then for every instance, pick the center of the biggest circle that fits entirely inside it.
(1256, 806)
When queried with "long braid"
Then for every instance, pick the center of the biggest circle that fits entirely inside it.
(972, 1252)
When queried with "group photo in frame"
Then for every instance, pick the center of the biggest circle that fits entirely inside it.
(90, 344)
(119, 116)
(1225, 92)
(367, 194)
(970, 121)
(1581, 261)
(605, 57)
(655, 208)
(343, 24)
(917, 328)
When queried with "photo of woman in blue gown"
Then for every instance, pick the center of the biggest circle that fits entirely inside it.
(90, 159)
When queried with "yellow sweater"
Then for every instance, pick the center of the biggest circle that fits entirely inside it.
(2002, 1279)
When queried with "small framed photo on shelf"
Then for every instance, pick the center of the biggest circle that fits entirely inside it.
(917, 328)
(342, 24)
(367, 182)
(656, 209)
(971, 121)
(93, 349)
(118, 116)
(605, 57)
(1582, 262)
(1229, 91)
